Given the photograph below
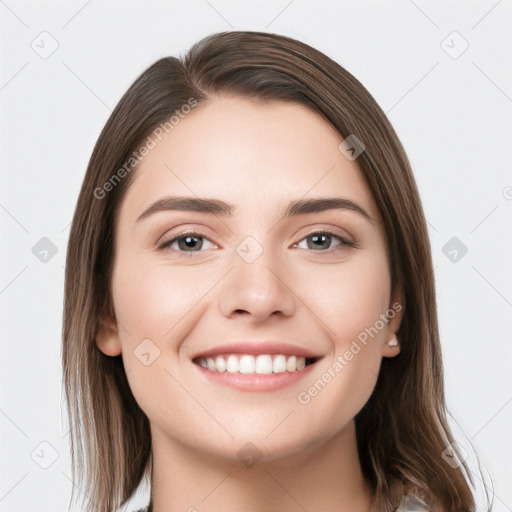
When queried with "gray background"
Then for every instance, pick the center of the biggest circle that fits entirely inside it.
(450, 105)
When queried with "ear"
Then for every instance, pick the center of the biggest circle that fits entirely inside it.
(391, 347)
(107, 337)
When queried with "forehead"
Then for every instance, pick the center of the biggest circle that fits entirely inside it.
(247, 152)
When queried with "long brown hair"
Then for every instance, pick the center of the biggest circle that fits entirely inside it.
(402, 431)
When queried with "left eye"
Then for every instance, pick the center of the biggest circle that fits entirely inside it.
(188, 242)
(320, 241)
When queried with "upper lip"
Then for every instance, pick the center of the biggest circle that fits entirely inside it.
(256, 348)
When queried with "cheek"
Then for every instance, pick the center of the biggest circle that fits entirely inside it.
(348, 297)
(349, 301)
(151, 300)
(157, 306)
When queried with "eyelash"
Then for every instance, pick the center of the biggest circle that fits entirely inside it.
(343, 242)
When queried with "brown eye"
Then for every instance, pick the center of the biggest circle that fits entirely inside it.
(187, 243)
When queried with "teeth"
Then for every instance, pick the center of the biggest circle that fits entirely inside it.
(246, 364)
(279, 364)
(232, 364)
(263, 364)
(220, 364)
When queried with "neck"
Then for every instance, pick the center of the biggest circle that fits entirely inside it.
(324, 477)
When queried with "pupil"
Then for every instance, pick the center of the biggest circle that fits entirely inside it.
(319, 238)
(189, 242)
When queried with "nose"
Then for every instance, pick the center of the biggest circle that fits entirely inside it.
(257, 290)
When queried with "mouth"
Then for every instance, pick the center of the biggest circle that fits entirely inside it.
(256, 365)
(250, 364)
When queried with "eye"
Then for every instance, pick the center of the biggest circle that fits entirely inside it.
(187, 243)
(322, 241)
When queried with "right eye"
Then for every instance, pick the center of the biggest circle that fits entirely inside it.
(189, 242)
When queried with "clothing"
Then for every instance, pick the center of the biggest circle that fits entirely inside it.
(409, 503)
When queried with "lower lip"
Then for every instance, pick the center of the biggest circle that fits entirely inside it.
(254, 381)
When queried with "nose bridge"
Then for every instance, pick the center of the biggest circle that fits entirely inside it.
(257, 284)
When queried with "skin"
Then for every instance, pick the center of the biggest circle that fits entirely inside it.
(258, 157)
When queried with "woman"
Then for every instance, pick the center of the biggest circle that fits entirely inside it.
(250, 318)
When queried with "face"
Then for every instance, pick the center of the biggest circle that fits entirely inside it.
(249, 278)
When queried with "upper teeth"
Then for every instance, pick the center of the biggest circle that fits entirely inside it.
(262, 364)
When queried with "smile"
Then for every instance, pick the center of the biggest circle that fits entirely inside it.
(263, 364)
(254, 373)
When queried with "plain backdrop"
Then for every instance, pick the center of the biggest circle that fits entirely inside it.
(440, 70)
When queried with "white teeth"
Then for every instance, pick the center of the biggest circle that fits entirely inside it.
(232, 364)
(263, 364)
(291, 364)
(279, 364)
(246, 364)
(220, 364)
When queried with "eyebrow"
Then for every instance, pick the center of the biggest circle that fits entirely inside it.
(224, 209)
